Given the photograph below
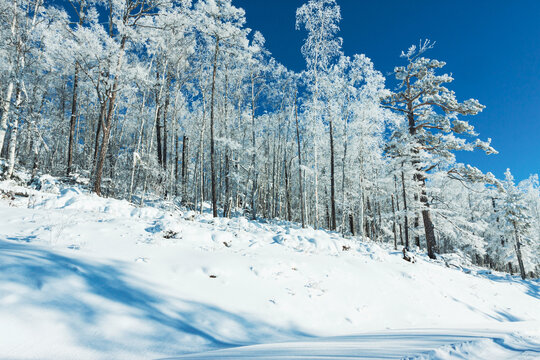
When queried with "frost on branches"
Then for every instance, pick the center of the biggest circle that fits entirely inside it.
(179, 100)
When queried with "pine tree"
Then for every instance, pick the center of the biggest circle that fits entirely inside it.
(432, 112)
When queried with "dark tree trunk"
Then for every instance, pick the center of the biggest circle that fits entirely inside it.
(107, 127)
(416, 225)
(165, 134)
(226, 205)
(104, 145)
(405, 220)
(351, 224)
(102, 111)
(394, 224)
(428, 224)
(518, 253)
(72, 120)
(158, 134)
(185, 149)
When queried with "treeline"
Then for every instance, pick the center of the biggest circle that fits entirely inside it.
(179, 100)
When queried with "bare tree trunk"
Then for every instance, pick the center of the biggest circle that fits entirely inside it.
(5, 114)
(316, 185)
(185, 149)
(165, 134)
(158, 132)
(302, 201)
(212, 145)
(406, 220)
(72, 120)
(9, 92)
(102, 111)
(287, 188)
(332, 180)
(397, 207)
(518, 253)
(13, 137)
(428, 225)
(395, 222)
(254, 155)
(351, 224)
(107, 127)
(226, 208)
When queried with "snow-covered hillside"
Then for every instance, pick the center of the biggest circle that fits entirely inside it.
(82, 277)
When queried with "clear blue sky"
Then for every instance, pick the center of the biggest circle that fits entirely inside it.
(492, 48)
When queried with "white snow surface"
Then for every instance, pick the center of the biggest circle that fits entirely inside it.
(84, 277)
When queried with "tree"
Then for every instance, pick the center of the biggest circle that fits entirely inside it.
(432, 112)
(222, 22)
(320, 19)
(124, 17)
(514, 210)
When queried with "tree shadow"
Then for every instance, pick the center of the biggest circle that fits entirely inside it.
(532, 286)
(170, 325)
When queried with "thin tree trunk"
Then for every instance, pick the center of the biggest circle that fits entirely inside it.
(165, 134)
(287, 188)
(5, 114)
(102, 111)
(212, 145)
(159, 147)
(185, 149)
(332, 181)
(226, 208)
(395, 222)
(72, 120)
(405, 209)
(13, 136)
(302, 202)
(397, 207)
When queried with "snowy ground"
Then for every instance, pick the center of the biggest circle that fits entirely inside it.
(83, 277)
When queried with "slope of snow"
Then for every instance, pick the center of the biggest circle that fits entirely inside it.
(91, 278)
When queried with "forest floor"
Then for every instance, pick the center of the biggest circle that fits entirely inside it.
(83, 277)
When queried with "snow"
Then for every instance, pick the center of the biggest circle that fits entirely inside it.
(93, 278)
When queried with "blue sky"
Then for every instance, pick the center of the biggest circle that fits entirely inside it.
(492, 48)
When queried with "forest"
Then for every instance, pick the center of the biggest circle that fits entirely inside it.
(179, 100)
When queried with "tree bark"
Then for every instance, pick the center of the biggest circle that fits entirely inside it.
(72, 120)
(185, 149)
(212, 145)
(428, 224)
(107, 127)
(302, 201)
(5, 115)
(518, 253)
(13, 136)
(405, 209)
(332, 181)
(165, 135)
(395, 222)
